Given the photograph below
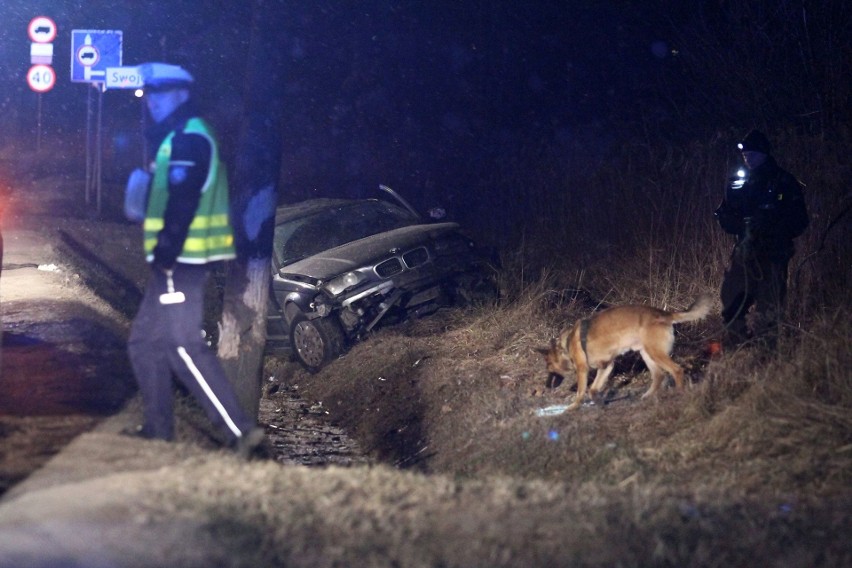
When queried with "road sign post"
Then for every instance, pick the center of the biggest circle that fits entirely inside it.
(92, 53)
(123, 78)
(42, 29)
(41, 77)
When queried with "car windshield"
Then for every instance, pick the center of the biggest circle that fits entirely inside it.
(334, 226)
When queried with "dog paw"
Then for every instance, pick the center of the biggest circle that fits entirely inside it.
(648, 393)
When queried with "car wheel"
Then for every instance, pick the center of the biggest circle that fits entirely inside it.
(316, 342)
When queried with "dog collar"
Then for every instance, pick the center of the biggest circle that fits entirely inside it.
(584, 336)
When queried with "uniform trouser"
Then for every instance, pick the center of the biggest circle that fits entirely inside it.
(168, 338)
(759, 281)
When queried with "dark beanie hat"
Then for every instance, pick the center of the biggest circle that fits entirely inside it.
(756, 141)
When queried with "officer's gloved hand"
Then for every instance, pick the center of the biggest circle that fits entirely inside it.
(160, 265)
(136, 195)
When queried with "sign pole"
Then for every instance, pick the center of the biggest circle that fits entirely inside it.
(88, 142)
(38, 125)
(143, 124)
(92, 53)
(41, 77)
(99, 143)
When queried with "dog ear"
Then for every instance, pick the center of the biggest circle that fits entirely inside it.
(546, 350)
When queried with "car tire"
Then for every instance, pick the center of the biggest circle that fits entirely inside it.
(316, 342)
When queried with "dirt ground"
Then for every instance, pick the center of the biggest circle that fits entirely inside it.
(68, 291)
(421, 447)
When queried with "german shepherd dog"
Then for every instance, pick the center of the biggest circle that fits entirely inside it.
(594, 343)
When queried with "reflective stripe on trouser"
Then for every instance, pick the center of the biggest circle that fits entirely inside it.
(166, 339)
(226, 418)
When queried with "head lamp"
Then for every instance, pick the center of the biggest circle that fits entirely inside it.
(344, 282)
(739, 178)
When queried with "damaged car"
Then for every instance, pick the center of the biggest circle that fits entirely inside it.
(342, 267)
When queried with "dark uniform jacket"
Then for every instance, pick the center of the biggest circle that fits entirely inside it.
(185, 182)
(766, 212)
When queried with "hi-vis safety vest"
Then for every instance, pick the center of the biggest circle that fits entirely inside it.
(210, 236)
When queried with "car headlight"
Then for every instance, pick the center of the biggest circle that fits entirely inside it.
(344, 282)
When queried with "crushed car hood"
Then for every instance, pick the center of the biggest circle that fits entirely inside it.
(356, 254)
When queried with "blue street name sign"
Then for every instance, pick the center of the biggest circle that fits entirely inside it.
(92, 51)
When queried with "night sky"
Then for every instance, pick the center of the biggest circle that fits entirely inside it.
(433, 97)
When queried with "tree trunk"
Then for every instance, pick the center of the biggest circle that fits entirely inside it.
(254, 196)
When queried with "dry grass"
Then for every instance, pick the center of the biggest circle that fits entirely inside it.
(752, 461)
(750, 465)
(457, 393)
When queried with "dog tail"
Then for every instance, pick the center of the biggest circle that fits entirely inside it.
(698, 310)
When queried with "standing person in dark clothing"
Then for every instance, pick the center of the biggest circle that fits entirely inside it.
(3, 196)
(765, 210)
(186, 229)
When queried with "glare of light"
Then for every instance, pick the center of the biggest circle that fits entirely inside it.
(741, 179)
(740, 146)
(139, 93)
(343, 283)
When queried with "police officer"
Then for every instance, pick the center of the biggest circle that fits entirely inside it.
(764, 208)
(186, 230)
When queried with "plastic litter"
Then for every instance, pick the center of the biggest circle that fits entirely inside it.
(554, 410)
(558, 409)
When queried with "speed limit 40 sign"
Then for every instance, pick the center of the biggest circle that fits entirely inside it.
(41, 78)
